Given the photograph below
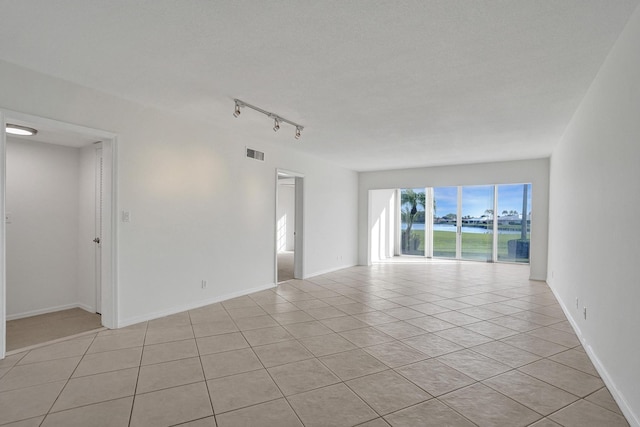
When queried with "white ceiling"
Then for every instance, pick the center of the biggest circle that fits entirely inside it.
(377, 84)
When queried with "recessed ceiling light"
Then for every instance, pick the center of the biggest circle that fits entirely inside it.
(20, 130)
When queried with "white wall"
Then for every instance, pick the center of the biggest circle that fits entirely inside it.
(382, 219)
(594, 202)
(42, 197)
(199, 208)
(331, 218)
(286, 213)
(535, 172)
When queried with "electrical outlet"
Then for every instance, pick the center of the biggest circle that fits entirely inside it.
(126, 216)
(585, 313)
(204, 284)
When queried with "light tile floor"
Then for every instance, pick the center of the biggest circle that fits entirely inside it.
(429, 344)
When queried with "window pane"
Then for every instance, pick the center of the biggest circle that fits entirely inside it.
(514, 223)
(413, 214)
(445, 213)
(477, 222)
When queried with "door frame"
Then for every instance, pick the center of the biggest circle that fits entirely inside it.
(298, 241)
(459, 224)
(109, 258)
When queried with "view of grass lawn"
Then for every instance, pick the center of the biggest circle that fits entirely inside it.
(475, 245)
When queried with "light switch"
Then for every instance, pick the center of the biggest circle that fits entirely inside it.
(126, 216)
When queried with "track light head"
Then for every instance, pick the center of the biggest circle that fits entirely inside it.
(298, 132)
(236, 113)
(276, 124)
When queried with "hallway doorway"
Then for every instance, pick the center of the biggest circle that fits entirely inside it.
(56, 186)
(285, 265)
(289, 230)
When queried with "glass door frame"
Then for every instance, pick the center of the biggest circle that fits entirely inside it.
(428, 223)
(459, 225)
(496, 237)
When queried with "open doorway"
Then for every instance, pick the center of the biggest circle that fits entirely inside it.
(57, 188)
(288, 240)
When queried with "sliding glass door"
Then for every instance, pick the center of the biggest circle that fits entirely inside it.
(483, 223)
(445, 222)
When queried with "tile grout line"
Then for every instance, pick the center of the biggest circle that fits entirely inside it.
(271, 377)
(135, 388)
(341, 381)
(204, 376)
(68, 379)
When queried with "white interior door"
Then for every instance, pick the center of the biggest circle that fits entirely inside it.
(98, 228)
(298, 254)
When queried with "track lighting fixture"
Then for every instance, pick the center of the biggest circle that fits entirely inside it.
(276, 118)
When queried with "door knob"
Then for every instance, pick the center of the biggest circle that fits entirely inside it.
(96, 240)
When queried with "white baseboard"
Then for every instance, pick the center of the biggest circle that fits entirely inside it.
(632, 418)
(88, 308)
(191, 306)
(329, 270)
(47, 310)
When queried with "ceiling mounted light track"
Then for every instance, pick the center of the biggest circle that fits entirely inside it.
(276, 118)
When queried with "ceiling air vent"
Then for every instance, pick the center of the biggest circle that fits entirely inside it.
(255, 154)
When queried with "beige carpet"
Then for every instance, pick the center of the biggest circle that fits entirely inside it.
(285, 266)
(43, 328)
